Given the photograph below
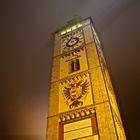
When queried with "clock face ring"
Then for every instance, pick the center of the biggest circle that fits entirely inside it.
(72, 41)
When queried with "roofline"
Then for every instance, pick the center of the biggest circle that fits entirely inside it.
(71, 25)
(80, 21)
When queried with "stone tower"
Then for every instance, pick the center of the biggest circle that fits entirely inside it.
(82, 103)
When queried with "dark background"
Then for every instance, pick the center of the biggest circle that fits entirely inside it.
(26, 28)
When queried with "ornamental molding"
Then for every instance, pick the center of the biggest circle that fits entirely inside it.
(73, 53)
(76, 114)
(73, 78)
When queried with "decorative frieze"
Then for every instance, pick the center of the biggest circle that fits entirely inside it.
(72, 78)
(73, 53)
(76, 114)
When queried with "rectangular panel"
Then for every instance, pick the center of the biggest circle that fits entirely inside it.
(78, 133)
(77, 125)
(93, 137)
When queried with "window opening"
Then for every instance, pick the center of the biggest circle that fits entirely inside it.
(74, 65)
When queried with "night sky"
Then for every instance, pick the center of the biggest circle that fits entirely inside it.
(26, 28)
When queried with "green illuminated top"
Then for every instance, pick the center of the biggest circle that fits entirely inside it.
(70, 28)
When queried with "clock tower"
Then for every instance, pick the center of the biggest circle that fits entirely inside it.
(82, 103)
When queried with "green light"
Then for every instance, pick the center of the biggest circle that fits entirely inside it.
(63, 32)
(74, 27)
(68, 30)
(71, 28)
(79, 25)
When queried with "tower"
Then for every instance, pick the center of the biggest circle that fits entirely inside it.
(82, 103)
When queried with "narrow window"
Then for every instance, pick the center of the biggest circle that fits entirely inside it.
(77, 64)
(74, 65)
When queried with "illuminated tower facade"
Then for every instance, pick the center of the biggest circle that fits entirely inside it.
(82, 103)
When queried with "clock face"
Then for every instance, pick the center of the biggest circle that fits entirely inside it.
(72, 40)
